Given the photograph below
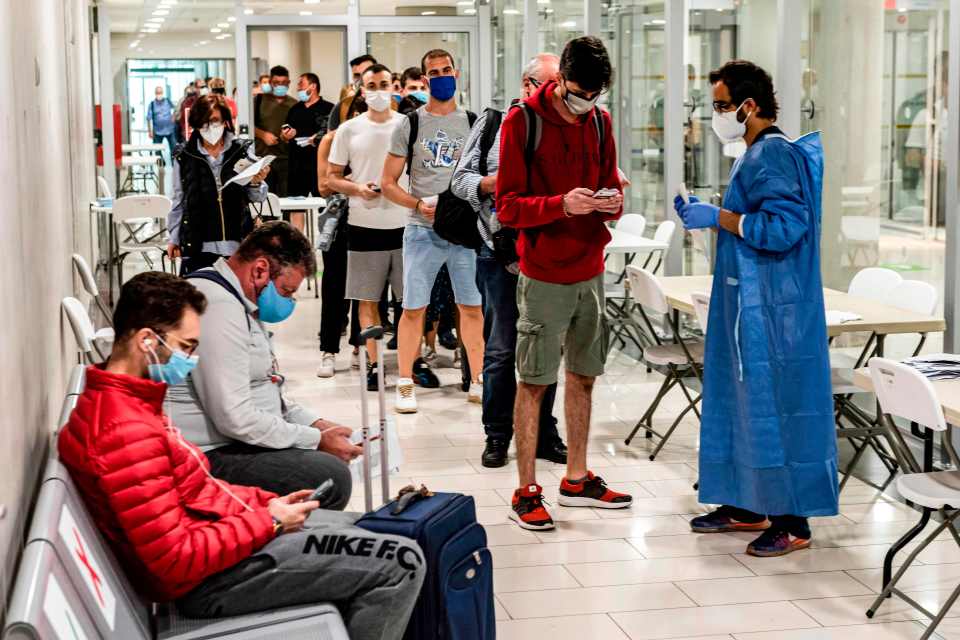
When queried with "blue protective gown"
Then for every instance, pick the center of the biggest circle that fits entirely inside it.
(767, 438)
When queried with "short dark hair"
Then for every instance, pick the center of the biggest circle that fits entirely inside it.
(205, 105)
(410, 73)
(312, 78)
(279, 70)
(364, 58)
(585, 61)
(282, 245)
(376, 68)
(745, 80)
(154, 300)
(434, 54)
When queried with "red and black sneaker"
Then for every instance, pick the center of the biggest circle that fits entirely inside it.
(592, 491)
(528, 510)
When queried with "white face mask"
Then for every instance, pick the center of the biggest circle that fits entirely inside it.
(211, 133)
(727, 127)
(379, 100)
(577, 105)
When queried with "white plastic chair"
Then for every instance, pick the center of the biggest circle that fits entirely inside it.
(860, 234)
(140, 208)
(701, 308)
(632, 223)
(103, 335)
(82, 330)
(681, 360)
(906, 393)
(664, 233)
(269, 208)
(875, 283)
(103, 189)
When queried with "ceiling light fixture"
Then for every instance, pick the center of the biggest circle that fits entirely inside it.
(223, 25)
(161, 12)
(153, 31)
(248, 12)
(157, 20)
(470, 12)
(311, 1)
(465, 3)
(511, 12)
(204, 42)
(232, 19)
(215, 30)
(221, 37)
(658, 21)
(569, 24)
(428, 13)
(306, 13)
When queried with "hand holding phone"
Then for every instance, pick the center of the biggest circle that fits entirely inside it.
(320, 493)
(605, 193)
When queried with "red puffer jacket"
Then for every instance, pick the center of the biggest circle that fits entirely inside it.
(169, 521)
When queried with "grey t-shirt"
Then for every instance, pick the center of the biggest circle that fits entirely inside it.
(440, 141)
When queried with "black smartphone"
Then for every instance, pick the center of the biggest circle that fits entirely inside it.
(321, 492)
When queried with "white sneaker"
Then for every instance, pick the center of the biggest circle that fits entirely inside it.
(406, 400)
(355, 360)
(429, 355)
(475, 395)
(328, 363)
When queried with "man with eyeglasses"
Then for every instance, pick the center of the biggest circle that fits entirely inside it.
(233, 405)
(560, 199)
(768, 448)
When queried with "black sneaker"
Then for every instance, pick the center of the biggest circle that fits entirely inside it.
(592, 491)
(424, 376)
(553, 450)
(392, 343)
(495, 453)
(372, 382)
(447, 340)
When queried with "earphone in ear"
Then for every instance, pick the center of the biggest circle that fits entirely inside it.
(148, 342)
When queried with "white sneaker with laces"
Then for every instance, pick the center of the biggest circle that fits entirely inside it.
(406, 399)
(328, 363)
(355, 360)
(475, 395)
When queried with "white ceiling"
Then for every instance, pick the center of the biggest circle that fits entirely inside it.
(199, 16)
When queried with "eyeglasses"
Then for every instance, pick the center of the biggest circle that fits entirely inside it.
(536, 83)
(189, 347)
(722, 105)
(586, 96)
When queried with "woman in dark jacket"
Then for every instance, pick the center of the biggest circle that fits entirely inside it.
(208, 220)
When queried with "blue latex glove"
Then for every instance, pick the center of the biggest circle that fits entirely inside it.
(700, 215)
(678, 202)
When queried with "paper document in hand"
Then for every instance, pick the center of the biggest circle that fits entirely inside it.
(303, 141)
(246, 175)
(699, 237)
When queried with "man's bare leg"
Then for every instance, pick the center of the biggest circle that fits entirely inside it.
(297, 219)
(577, 402)
(370, 316)
(526, 426)
(470, 329)
(411, 332)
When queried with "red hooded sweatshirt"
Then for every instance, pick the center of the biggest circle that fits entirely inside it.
(555, 247)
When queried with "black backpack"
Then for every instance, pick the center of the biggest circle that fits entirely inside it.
(455, 220)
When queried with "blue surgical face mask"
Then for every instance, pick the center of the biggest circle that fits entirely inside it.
(443, 88)
(422, 96)
(280, 90)
(273, 306)
(173, 371)
(266, 87)
(303, 95)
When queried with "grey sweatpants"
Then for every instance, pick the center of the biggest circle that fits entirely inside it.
(373, 578)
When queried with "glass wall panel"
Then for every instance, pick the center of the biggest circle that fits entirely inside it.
(426, 8)
(507, 34)
(633, 33)
(879, 97)
(399, 50)
(558, 21)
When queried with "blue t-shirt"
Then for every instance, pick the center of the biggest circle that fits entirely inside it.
(160, 114)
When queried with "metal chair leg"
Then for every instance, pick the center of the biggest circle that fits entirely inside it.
(944, 610)
(894, 549)
(647, 417)
(673, 427)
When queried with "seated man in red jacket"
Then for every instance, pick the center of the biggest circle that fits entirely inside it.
(560, 199)
(217, 549)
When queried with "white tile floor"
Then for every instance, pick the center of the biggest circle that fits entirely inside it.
(637, 574)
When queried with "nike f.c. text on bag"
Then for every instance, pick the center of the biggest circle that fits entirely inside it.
(456, 600)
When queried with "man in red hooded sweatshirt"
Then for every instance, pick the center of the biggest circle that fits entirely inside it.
(560, 189)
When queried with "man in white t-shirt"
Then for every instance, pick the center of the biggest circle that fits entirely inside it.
(375, 234)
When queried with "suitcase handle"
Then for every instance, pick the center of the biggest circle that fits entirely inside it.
(375, 333)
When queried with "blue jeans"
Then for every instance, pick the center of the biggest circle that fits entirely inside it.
(424, 252)
(170, 139)
(498, 288)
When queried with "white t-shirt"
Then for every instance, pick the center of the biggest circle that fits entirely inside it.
(363, 144)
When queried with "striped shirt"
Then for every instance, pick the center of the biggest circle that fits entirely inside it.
(466, 180)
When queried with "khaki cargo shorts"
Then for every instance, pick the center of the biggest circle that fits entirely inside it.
(560, 320)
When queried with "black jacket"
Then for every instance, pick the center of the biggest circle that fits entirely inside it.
(210, 215)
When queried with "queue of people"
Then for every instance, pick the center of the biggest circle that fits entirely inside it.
(193, 379)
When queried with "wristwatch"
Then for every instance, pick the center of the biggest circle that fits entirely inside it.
(277, 526)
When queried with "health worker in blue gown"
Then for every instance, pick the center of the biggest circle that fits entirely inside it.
(768, 450)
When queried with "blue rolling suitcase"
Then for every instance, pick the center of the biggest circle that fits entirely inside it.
(456, 602)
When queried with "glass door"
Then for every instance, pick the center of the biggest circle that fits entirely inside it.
(401, 42)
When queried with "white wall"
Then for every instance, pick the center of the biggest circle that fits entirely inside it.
(322, 52)
(48, 165)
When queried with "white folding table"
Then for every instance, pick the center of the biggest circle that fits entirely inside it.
(312, 205)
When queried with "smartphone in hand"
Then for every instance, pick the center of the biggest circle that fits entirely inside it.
(605, 193)
(321, 492)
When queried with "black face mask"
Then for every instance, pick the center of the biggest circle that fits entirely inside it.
(221, 92)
